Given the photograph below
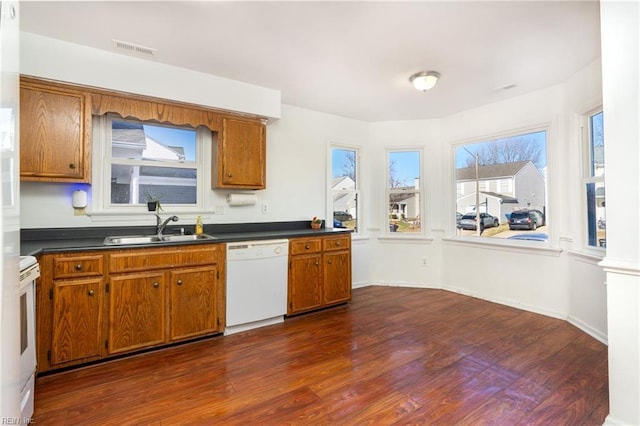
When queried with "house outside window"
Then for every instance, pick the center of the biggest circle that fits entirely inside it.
(510, 176)
(144, 162)
(405, 193)
(344, 188)
(595, 181)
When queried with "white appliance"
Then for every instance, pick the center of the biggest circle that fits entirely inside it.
(256, 284)
(29, 272)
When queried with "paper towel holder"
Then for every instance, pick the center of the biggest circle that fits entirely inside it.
(242, 199)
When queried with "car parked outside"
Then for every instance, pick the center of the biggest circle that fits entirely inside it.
(338, 224)
(540, 216)
(525, 219)
(342, 216)
(468, 221)
(458, 217)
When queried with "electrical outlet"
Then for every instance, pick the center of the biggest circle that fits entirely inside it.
(265, 208)
(80, 212)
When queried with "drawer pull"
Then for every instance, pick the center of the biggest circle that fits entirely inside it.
(90, 293)
(330, 262)
(78, 267)
(229, 174)
(307, 247)
(72, 166)
(179, 282)
(156, 285)
(337, 243)
(317, 263)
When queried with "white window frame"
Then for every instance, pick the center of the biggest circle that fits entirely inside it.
(421, 192)
(500, 241)
(588, 177)
(357, 193)
(101, 207)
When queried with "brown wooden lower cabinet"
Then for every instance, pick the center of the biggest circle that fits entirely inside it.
(93, 305)
(98, 304)
(136, 311)
(319, 272)
(192, 299)
(76, 320)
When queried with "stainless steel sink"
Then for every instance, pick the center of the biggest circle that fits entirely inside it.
(153, 239)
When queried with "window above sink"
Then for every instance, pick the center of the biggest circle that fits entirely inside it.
(134, 160)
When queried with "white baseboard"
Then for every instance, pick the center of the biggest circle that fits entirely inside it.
(596, 334)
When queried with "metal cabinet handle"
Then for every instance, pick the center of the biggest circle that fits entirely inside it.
(72, 166)
(337, 243)
(179, 282)
(307, 247)
(330, 262)
(90, 293)
(229, 174)
(317, 263)
(156, 285)
(78, 267)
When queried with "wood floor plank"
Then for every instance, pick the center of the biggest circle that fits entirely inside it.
(392, 356)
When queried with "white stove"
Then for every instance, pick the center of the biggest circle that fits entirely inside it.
(29, 272)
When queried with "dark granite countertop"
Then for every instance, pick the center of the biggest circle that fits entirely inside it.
(34, 242)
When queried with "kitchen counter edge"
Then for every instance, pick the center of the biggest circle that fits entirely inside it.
(32, 246)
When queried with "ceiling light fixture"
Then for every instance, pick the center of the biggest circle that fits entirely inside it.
(424, 80)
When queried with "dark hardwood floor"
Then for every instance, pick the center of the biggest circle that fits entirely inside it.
(392, 356)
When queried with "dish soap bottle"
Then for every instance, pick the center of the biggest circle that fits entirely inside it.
(199, 225)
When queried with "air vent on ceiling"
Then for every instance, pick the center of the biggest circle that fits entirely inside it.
(134, 48)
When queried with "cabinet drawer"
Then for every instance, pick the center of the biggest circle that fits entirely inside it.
(305, 245)
(78, 266)
(337, 243)
(160, 258)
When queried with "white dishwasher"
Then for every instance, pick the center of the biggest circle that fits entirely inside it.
(256, 284)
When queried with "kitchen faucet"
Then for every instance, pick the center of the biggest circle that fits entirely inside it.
(160, 226)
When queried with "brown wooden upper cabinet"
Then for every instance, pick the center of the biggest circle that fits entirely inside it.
(240, 155)
(55, 133)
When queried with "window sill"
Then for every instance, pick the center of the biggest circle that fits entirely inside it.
(410, 239)
(500, 244)
(593, 255)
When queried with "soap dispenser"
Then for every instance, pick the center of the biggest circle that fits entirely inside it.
(199, 225)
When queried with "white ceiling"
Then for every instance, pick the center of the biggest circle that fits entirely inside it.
(352, 59)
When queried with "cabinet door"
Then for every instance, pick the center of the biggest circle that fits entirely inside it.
(337, 277)
(136, 311)
(241, 155)
(305, 283)
(77, 314)
(193, 302)
(53, 128)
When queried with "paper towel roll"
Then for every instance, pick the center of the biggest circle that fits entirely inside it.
(242, 199)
